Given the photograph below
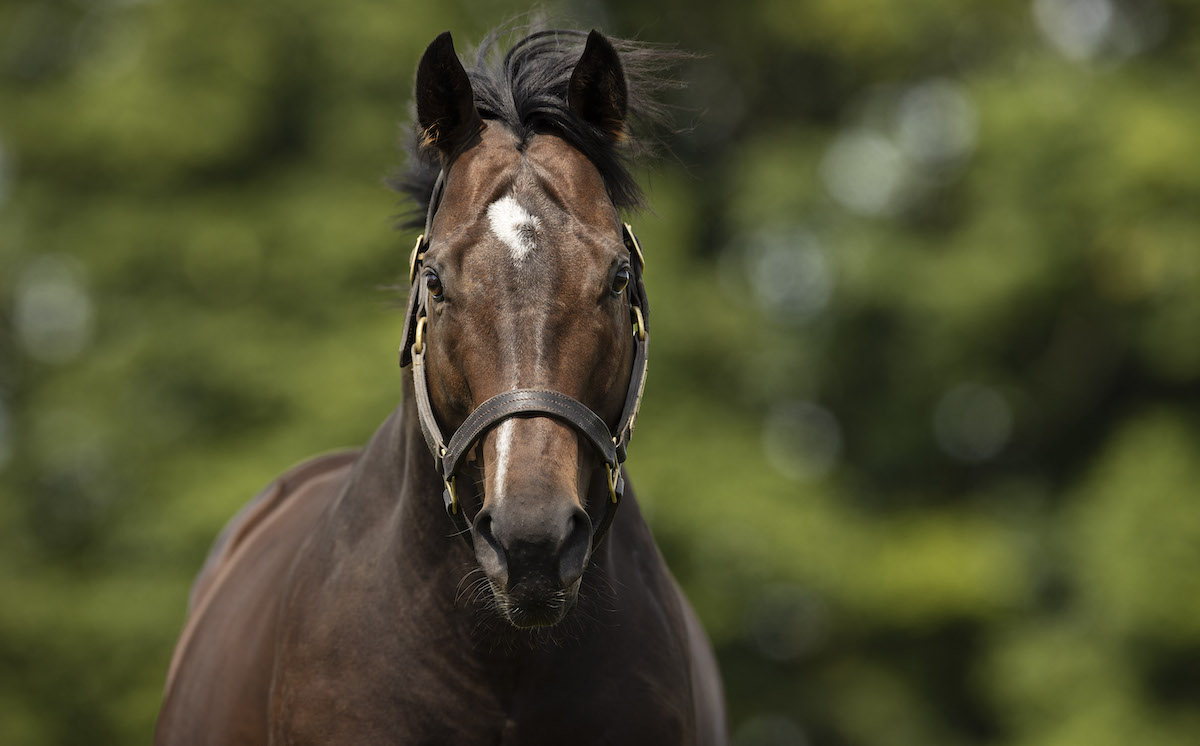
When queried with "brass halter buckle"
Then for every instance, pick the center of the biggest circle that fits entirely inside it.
(453, 495)
(635, 247)
(415, 258)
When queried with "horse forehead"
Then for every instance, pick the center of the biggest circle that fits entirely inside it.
(572, 178)
(541, 204)
(542, 167)
(516, 226)
(522, 203)
(529, 227)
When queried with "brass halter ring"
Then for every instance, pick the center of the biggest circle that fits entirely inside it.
(612, 484)
(639, 324)
(419, 342)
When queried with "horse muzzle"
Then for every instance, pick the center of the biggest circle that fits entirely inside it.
(534, 567)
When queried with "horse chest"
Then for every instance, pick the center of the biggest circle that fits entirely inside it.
(452, 710)
(426, 689)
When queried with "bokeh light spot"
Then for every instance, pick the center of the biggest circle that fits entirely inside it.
(972, 422)
(1087, 30)
(53, 312)
(865, 172)
(790, 274)
(936, 123)
(1076, 28)
(802, 440)
(786, 622)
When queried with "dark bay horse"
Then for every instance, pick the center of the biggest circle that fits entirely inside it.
(341, 606)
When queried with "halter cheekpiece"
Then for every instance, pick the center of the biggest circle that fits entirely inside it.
(448, 453)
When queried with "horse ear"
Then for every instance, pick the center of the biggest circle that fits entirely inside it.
(597, 92)
(445, 102)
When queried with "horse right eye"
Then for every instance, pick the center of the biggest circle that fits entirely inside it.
(621, 280)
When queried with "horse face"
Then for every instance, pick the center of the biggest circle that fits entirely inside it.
(525, 277)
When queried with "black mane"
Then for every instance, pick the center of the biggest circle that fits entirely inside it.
(525, 89)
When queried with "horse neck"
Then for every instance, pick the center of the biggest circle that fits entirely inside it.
(394, 496)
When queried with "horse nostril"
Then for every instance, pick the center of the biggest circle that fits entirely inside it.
(575, 547)
(489, 552)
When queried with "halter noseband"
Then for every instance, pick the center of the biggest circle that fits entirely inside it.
(448, 454)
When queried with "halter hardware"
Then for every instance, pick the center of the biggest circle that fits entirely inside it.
(632, 243)
(448, 454)
(419, 342)
(414, 260)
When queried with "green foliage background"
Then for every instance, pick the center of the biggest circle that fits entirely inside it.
(922, 429)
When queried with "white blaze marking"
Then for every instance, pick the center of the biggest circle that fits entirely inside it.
(504, 436)
(513, 225)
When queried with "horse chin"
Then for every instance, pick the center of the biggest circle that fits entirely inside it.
(526, 617)
(530, 612)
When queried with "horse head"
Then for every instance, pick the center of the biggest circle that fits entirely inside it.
(526, 281)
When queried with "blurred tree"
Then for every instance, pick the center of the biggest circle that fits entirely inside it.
(928, 468)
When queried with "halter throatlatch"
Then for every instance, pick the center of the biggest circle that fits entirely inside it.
(448, 454)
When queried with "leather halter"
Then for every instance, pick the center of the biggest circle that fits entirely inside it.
(448, 454)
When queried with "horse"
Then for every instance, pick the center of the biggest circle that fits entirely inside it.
(340, 606)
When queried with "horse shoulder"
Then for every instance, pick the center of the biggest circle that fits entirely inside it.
(262, 506)
(220, 672)
(708, 696)
(670, 637)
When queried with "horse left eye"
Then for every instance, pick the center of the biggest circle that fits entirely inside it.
(621, 280)
(434, 285)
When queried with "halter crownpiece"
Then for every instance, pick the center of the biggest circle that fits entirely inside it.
(448, 454)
